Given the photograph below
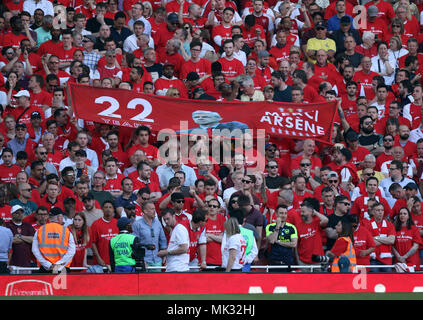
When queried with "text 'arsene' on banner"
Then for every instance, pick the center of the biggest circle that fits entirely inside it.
(120, 107)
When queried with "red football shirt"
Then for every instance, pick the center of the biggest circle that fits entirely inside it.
(101, 233)
(215, 227)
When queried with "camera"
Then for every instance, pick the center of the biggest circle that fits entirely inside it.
(321, 259)
(138, 254)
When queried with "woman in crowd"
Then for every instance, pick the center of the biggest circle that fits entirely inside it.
(81, 235)
(407, 240)
(173, 92)
(343, 250)
(383, 63)
(396, 48)
(233, 247)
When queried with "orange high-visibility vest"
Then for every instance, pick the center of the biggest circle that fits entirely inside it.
(53, 242)
(350, 254)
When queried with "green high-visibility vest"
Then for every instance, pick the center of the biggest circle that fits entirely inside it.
(249, 239)
(122, 249)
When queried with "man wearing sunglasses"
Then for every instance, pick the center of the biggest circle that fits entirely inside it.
(22, 142)
(342, 207)
(41, 154)
(177, 201)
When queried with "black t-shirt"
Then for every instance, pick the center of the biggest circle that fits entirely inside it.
(366, 140)
(283, 96)
(355, 59)
(273, 182)
(156, 68)
(94, 26)
(369, 140)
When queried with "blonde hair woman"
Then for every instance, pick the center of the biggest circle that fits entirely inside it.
(233, 247)
(173, 92)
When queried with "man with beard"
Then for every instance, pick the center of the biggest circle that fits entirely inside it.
(401, 140)
(388, 144)
(53, 46)
(404, 92)
(309, 223)
(367, 137)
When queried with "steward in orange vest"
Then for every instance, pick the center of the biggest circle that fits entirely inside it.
(342, 255)
(53, 245)
(342, 252)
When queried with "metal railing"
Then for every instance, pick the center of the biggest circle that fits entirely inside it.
(311, 268)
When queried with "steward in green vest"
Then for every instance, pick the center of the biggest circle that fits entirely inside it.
(121, 248)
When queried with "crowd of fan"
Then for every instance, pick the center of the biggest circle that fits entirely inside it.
(369, 61)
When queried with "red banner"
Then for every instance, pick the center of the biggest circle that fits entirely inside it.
(131, 109)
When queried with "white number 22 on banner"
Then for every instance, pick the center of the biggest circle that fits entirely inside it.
(114, 106)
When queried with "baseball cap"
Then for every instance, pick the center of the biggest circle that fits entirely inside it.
(123, 222)
(91, 38)
(411, 185)
(55, 211)
(268, 145)
(351, 136)
(172, 17)
(15, 208)
(263, 54)
(177, 196)
(333, 174)
(22, 93)
(345, 20)
(372, 11)
(35, 115)
(20, 125)
(321, 24)
(192, 76)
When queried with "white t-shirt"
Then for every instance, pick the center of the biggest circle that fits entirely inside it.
(178, 263)
(238, 243)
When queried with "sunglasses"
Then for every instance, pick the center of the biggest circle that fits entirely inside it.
(29, 189)
(145, 199)
(213, 206)
(369, 174)
(43, 153)
(234, 201)
(333, 181)
(180, 201)
(305, 164)
(246, 181)
(273, 167)
(346, 203)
